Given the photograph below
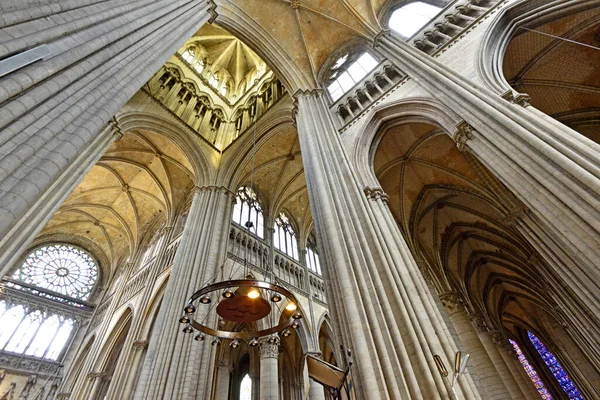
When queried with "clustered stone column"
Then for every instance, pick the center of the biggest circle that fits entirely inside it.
(223, 379)
(480, 361)
(551, 168)
(389, 317)
(269, 368)
(51, 111)
(176, 366)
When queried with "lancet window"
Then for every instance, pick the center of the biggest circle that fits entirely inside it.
(537, 382)
(246, 388)
(284, 237)
(312, 258)
(193, 60)
(31, 323)
(555, 368)
(410, 18)
(348, 71)
(247, 209)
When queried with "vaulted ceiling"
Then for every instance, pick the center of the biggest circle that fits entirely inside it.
(138, 183)
(306, 31)
(561, 76)
(454, 222)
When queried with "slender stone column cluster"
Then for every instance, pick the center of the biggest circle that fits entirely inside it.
(269, 368)
(176, 366)
(389, 317)
(101, 52)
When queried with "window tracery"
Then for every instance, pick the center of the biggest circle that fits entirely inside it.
(554, 366)
(312, 257)
(284, 236)
(537, 382)
(190, 55)
(348, 71)
(410, 18)
(247, 208)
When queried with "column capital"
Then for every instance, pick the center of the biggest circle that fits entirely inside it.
(215, 189)
(517, 213)
(384, 33)
(140, 344)
(478, 321)
(452, 302)
(498, 338)
(308, 93)
(464, 133)
(376, 194)
(269, 346)
(117, 132)
(98, 375)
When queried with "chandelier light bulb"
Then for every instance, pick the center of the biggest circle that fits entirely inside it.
(184, 320)
(216, 342)
(188, 329)
(276, 298)
(228, 294)
(272, 339)
(254, 294)
(291, 306)
(190, 308)
(295, 324)
(253, 342)
(205, 300)
(286, 333)
(234, 344)
(297, 315)
(199, 337)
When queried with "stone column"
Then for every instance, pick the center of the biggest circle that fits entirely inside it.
(480, 362)
(52, 111)
(552, 169)
(223, 378)
(487, 339)
(176, 366)
(269, 368)
(98, 379)
(387, 313)
(316, 391)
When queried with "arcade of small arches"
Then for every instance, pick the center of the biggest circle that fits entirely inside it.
(405, 223)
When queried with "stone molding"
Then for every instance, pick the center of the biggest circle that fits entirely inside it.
(140, 344)
(216, 189)
(376, 194)
(98, 375)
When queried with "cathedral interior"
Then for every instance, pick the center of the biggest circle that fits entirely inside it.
(299, 199)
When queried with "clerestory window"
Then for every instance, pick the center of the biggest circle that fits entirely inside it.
(247, 209)
(193, 60)
(347, 72)
(531, 372)
(410, 18)
(312, 257)
(284, 237)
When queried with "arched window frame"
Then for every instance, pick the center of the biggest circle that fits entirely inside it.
(246, 388)
(312, 256)
(191, 57)
(36, 321)
(247, 208)
(531, 372)
(284, 236)
(430, 10)
(349, 69)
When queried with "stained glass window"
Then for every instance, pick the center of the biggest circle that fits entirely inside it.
(284, 237)
(410, 18)
(247, 209)
(537, 382)
(64, 269)
(557, 370)
(246, 388)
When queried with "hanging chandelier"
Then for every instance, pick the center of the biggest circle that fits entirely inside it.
(264, 308)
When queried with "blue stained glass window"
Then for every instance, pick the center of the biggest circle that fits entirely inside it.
(557, 370)
(537, 382)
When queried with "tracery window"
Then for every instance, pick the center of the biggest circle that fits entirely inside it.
(246, 388)
(410, 18)
(557, 370)
(537, 382)
(284, 237)
(31, 323)
(193, 60)
(347, 72)
(312, 258)
(64, 269)
(246, 209)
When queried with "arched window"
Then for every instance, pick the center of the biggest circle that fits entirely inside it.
(537, 382)
(246, 388)
(246, 209)
(557, 370)
(410, 18)
(190, 55)
(284, 237)
(30, 324)
(348, 71)
(312, 257)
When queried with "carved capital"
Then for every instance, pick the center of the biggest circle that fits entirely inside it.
(452, 302)
(64, 395)
(516, 214)
(479, 323)
(376, 194)
(464, 133)
(140, 344)
(98, 375)
(498, 338)
(269, 347)
(384, 33)
(117, 132)
(212, 10)
(216, 189)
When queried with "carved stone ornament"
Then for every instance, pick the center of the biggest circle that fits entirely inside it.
(375, 194)
(478, 321)
(451, 302)
(269, 349)
(464, 133)
(140, 344)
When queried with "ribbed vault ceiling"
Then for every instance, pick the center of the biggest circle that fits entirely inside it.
(453, 221)
(138, 182)
(560, 76)
(308, 31)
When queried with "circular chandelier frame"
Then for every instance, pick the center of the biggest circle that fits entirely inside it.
(246, 283)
